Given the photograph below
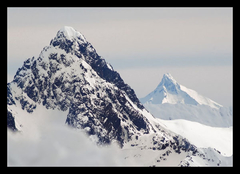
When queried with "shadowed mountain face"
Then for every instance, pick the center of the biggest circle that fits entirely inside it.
(69, 74)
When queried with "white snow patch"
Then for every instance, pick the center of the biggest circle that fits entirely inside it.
(203, 136)
(201, 113)
(71, 33)
(109, 66)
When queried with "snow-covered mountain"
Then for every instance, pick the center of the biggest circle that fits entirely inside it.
(170, 91)
(70, 75)
(69, 79)
(171, 100)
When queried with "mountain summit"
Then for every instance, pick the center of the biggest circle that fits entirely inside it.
(170, 91)
(171, 100)
(70, 34)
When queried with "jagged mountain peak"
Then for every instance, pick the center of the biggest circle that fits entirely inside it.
(168, 83)
(168, 76)
(170, 91)
(70, 33)
(70, 76)
(72, 41)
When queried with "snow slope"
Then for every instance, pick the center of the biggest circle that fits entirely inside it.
(203, 136)
(203, 114)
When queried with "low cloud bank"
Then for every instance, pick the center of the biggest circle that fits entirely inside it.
(52, 143)
(60, 147)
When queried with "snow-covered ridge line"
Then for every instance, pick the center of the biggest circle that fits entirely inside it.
(200, 99)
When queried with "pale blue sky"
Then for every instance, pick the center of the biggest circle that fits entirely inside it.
(193, 44)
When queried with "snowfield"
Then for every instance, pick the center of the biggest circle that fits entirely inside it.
(203, 136)
(203, 114)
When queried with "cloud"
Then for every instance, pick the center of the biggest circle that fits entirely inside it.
(47, 141)
(60, 147)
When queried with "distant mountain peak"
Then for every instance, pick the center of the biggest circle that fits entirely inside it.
(168, 76)
(170, 91)
(168, 83)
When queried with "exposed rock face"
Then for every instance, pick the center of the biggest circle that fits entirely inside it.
(69, 74)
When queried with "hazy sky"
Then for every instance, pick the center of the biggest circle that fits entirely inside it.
(193, 44)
